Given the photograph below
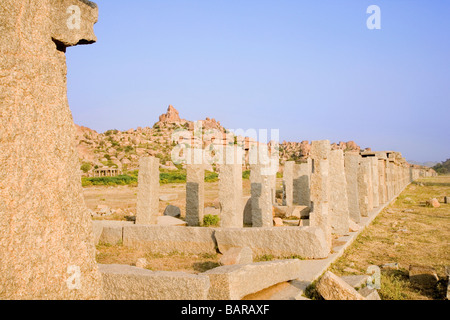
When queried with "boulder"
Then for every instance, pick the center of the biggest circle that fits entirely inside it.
(172, 211)
(434, 203)
(277, 222)
(331, 287)
(356, 281)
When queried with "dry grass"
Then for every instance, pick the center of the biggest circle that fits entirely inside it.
(406, 232)
(175, 261)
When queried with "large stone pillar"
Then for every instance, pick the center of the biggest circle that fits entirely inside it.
(230, 189)
(148, 191)
(351, 161)
(302, 183)
(382, 180)
(375, 181)
(337, 196)
(288, 183)
(261, 197)
(365, 187)
(46, 242)
(195, 188)
(319, 216)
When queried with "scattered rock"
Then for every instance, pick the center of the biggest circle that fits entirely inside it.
(390, 266)
(237, 256)
(172, 211)
(422, 276)
(297, 211)
(447, 200)
(280, 211)
(331, 287)
(168, 197)
(356, 281)
(277, 222)
(142, 263)
(353, 226)
(369, 294)
(434, 203)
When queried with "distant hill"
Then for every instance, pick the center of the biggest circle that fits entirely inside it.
(429, 164)
(443, 168)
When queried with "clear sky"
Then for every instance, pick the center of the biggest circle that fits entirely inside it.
(309, 68)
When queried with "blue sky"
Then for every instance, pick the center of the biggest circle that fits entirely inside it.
(309, 68)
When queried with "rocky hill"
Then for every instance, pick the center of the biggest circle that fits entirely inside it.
(122, 149)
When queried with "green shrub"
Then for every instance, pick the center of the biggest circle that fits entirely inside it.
(85, 167)
(211, 221)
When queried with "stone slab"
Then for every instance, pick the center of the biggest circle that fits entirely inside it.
(307, 242)
(123, 282)
(237, 281)
(167, 239)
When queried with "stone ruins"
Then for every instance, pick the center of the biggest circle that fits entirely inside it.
(47, 245)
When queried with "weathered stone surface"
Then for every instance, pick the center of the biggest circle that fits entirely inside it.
(237, 256)
(111, 235)
(351, 162)
(46, 229)
(375, 181)
(237, 281)
(337, 197)
(320, 185)
(298, 212)
(280, 211)
(353, 227)
(365, 187)
(261, 195)
(307, 242)
(382, 180)
(122, 282)
(277, 222)
(422, 276)
(170, 221)
(302, 184)
(99, 226)
(369, 294)
(164, 239)
(356, 281)
(434, 203)
(148, 191)
(331, 287)
(230, 190)
(195, 194)
(141, 263)
(172, 211)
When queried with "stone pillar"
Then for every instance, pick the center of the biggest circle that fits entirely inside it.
(261, 197)
(148, 191)
(288, 183)
(46, 242)
(382, 179)
(375, 182)
(352, 160)
(365, 187)
(195, 190)
(230, 189)
(319, 216)
(302, 183)
(337, 196)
